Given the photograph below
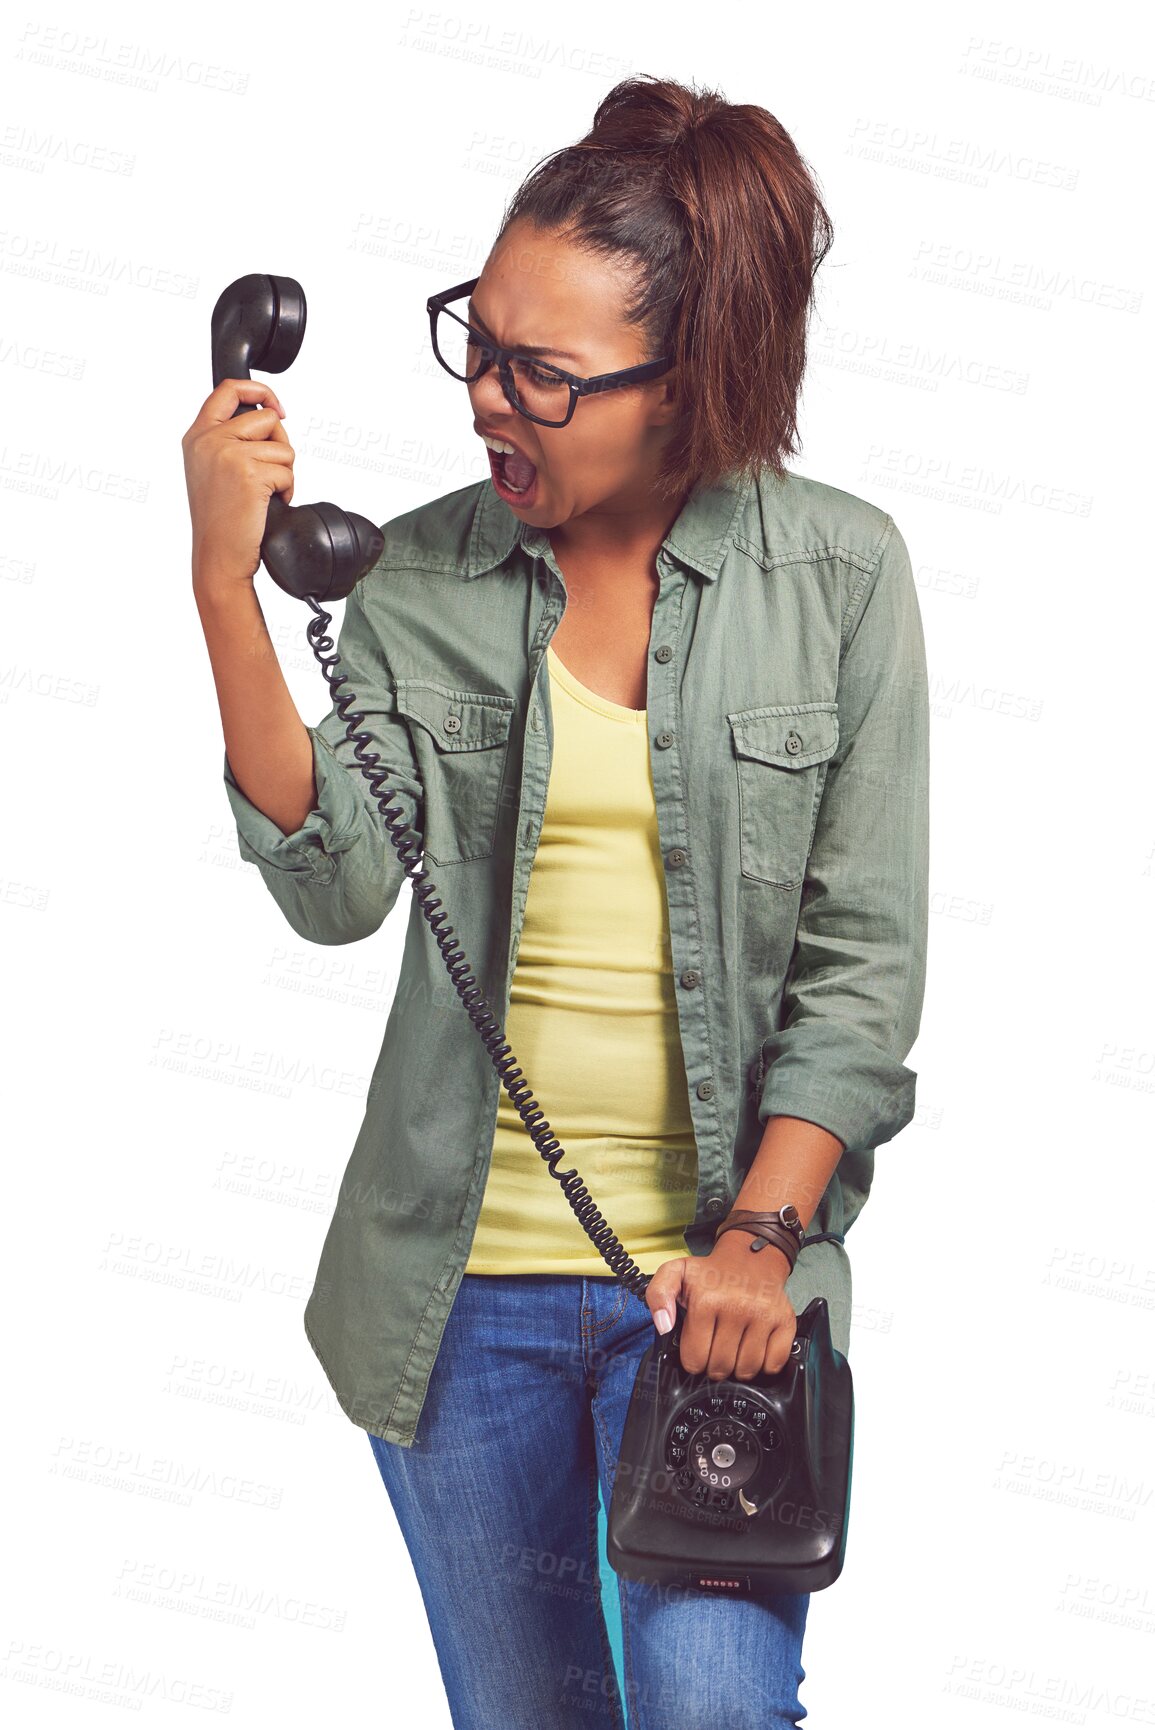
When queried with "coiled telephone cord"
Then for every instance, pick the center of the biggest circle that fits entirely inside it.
(609, 1247)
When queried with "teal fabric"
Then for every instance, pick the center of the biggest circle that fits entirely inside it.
(789, 736)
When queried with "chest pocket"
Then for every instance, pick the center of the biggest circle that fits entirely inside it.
(460, 739)
(781, 752)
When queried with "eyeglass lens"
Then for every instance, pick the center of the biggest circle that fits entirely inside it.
(463, 352)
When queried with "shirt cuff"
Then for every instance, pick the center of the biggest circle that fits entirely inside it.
(830, 1075)
(330, 828)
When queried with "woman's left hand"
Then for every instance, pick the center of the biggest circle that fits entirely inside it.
(739, 1320)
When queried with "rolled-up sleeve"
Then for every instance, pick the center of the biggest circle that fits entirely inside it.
(854, 988)
(337, 877)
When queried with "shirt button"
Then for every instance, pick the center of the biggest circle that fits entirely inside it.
(793, 742)
(691, 977)
(535, 719)
(676, 856)
(715, 1203)
(664, 740)
(665, 653)
(705, 1090)
(453, 723)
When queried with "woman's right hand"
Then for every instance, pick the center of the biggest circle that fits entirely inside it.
(232, 469)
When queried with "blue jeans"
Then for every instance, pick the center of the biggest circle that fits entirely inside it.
(498, 1503)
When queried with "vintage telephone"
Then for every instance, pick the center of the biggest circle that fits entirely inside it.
(739, 1488)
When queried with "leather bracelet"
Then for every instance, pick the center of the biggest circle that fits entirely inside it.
(787, 1234)
(787, 1218)
(764, 1235)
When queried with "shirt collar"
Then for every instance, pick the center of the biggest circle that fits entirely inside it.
(699, 536)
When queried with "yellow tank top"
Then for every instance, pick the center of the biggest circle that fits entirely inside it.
(592, 1018)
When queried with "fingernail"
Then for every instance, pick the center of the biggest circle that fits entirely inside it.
(663, 1321)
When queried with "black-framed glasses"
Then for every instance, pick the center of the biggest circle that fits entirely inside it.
(534, 387)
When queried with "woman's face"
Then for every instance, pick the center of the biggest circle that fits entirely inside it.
(537, 289)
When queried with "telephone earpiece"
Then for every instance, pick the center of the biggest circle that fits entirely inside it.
(320, 549)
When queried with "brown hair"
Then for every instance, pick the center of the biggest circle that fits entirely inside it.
(722, 221)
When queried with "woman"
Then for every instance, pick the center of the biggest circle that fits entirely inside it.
(658, 708)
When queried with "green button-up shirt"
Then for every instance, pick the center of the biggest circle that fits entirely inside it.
(786, 696)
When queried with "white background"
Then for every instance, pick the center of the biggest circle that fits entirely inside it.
(198, 1525)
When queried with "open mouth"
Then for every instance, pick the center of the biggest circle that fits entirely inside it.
(514, 476)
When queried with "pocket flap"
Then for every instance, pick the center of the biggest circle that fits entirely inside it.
(456, 720)
(789, 735)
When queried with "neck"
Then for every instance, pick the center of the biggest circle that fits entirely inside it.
(615, 535)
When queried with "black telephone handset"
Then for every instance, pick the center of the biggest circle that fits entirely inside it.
(318, 549)
(699, 1460)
